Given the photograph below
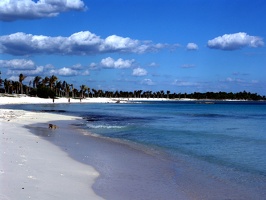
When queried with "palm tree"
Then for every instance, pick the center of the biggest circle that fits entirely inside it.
(99, 93)
(75, 92)
(94, 91)
(36, 81)
(83, 89)
(72, 86)
(52, 81)
(67, 89)
(1, 82)
(168, 92)
(139, 93)
(15, 87)
(135, 93)
(63, 88)
(162, 94)
(45, 81)
(88, 89)
(158, 94)
(7, 85)
(21, 78)
(58, 87)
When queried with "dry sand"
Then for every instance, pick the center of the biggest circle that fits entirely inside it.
(22, 99)
(32, 167)
(40, 163)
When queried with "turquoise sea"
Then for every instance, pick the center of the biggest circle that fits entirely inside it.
(224, 140)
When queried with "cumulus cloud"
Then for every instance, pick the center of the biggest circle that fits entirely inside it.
(153, 64)
(65, 71)
(147, 82)
(139, 72)
(77, 67)
(13, 78)
(192, 46)
(184, 83)
(117, 64)
(234, 80)
(29, 68)
(235, 41)
(85, 73)
(11, 10)
(117, 42)
(81, 43)
(93, 65)
(38, 70)
(17, 64)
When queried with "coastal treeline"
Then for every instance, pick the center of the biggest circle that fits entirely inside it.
(52, 87)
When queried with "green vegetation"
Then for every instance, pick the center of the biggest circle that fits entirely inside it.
(51, 87)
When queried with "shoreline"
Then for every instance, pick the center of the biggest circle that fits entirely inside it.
(68, 164)
(40, 163)
(32, 167)
(122, 171)
(23, 99)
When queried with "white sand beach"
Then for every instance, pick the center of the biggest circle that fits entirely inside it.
(23, 99)
(18, 99)
(46, 164)
(33, 168)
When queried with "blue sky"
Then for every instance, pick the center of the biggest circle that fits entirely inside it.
(177, 45)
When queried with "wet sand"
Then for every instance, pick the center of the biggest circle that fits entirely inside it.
(34, 168)
(129, 171)
(126, 172)
(64, 163)
(67, 163)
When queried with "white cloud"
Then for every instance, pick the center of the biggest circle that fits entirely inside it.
(86, 73)
(153, 64)
(24, 66)
(192, 46)
(139, 72)
(234, 80)
(64, 72)
(235, 41)
(11, 10)
(184, 83)
(147, 82)
(37, 71)
(13, 78)
(16, 78)
(29, 68)
(81, 43)
(93, 65)
(229, 79)
(118, 64)
(17, 64)
(119, 43)
(77, 67)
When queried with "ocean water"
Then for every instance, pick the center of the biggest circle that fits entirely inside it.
(229, 134)
(224, 140)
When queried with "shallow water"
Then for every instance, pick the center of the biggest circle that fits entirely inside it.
(222, 143)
